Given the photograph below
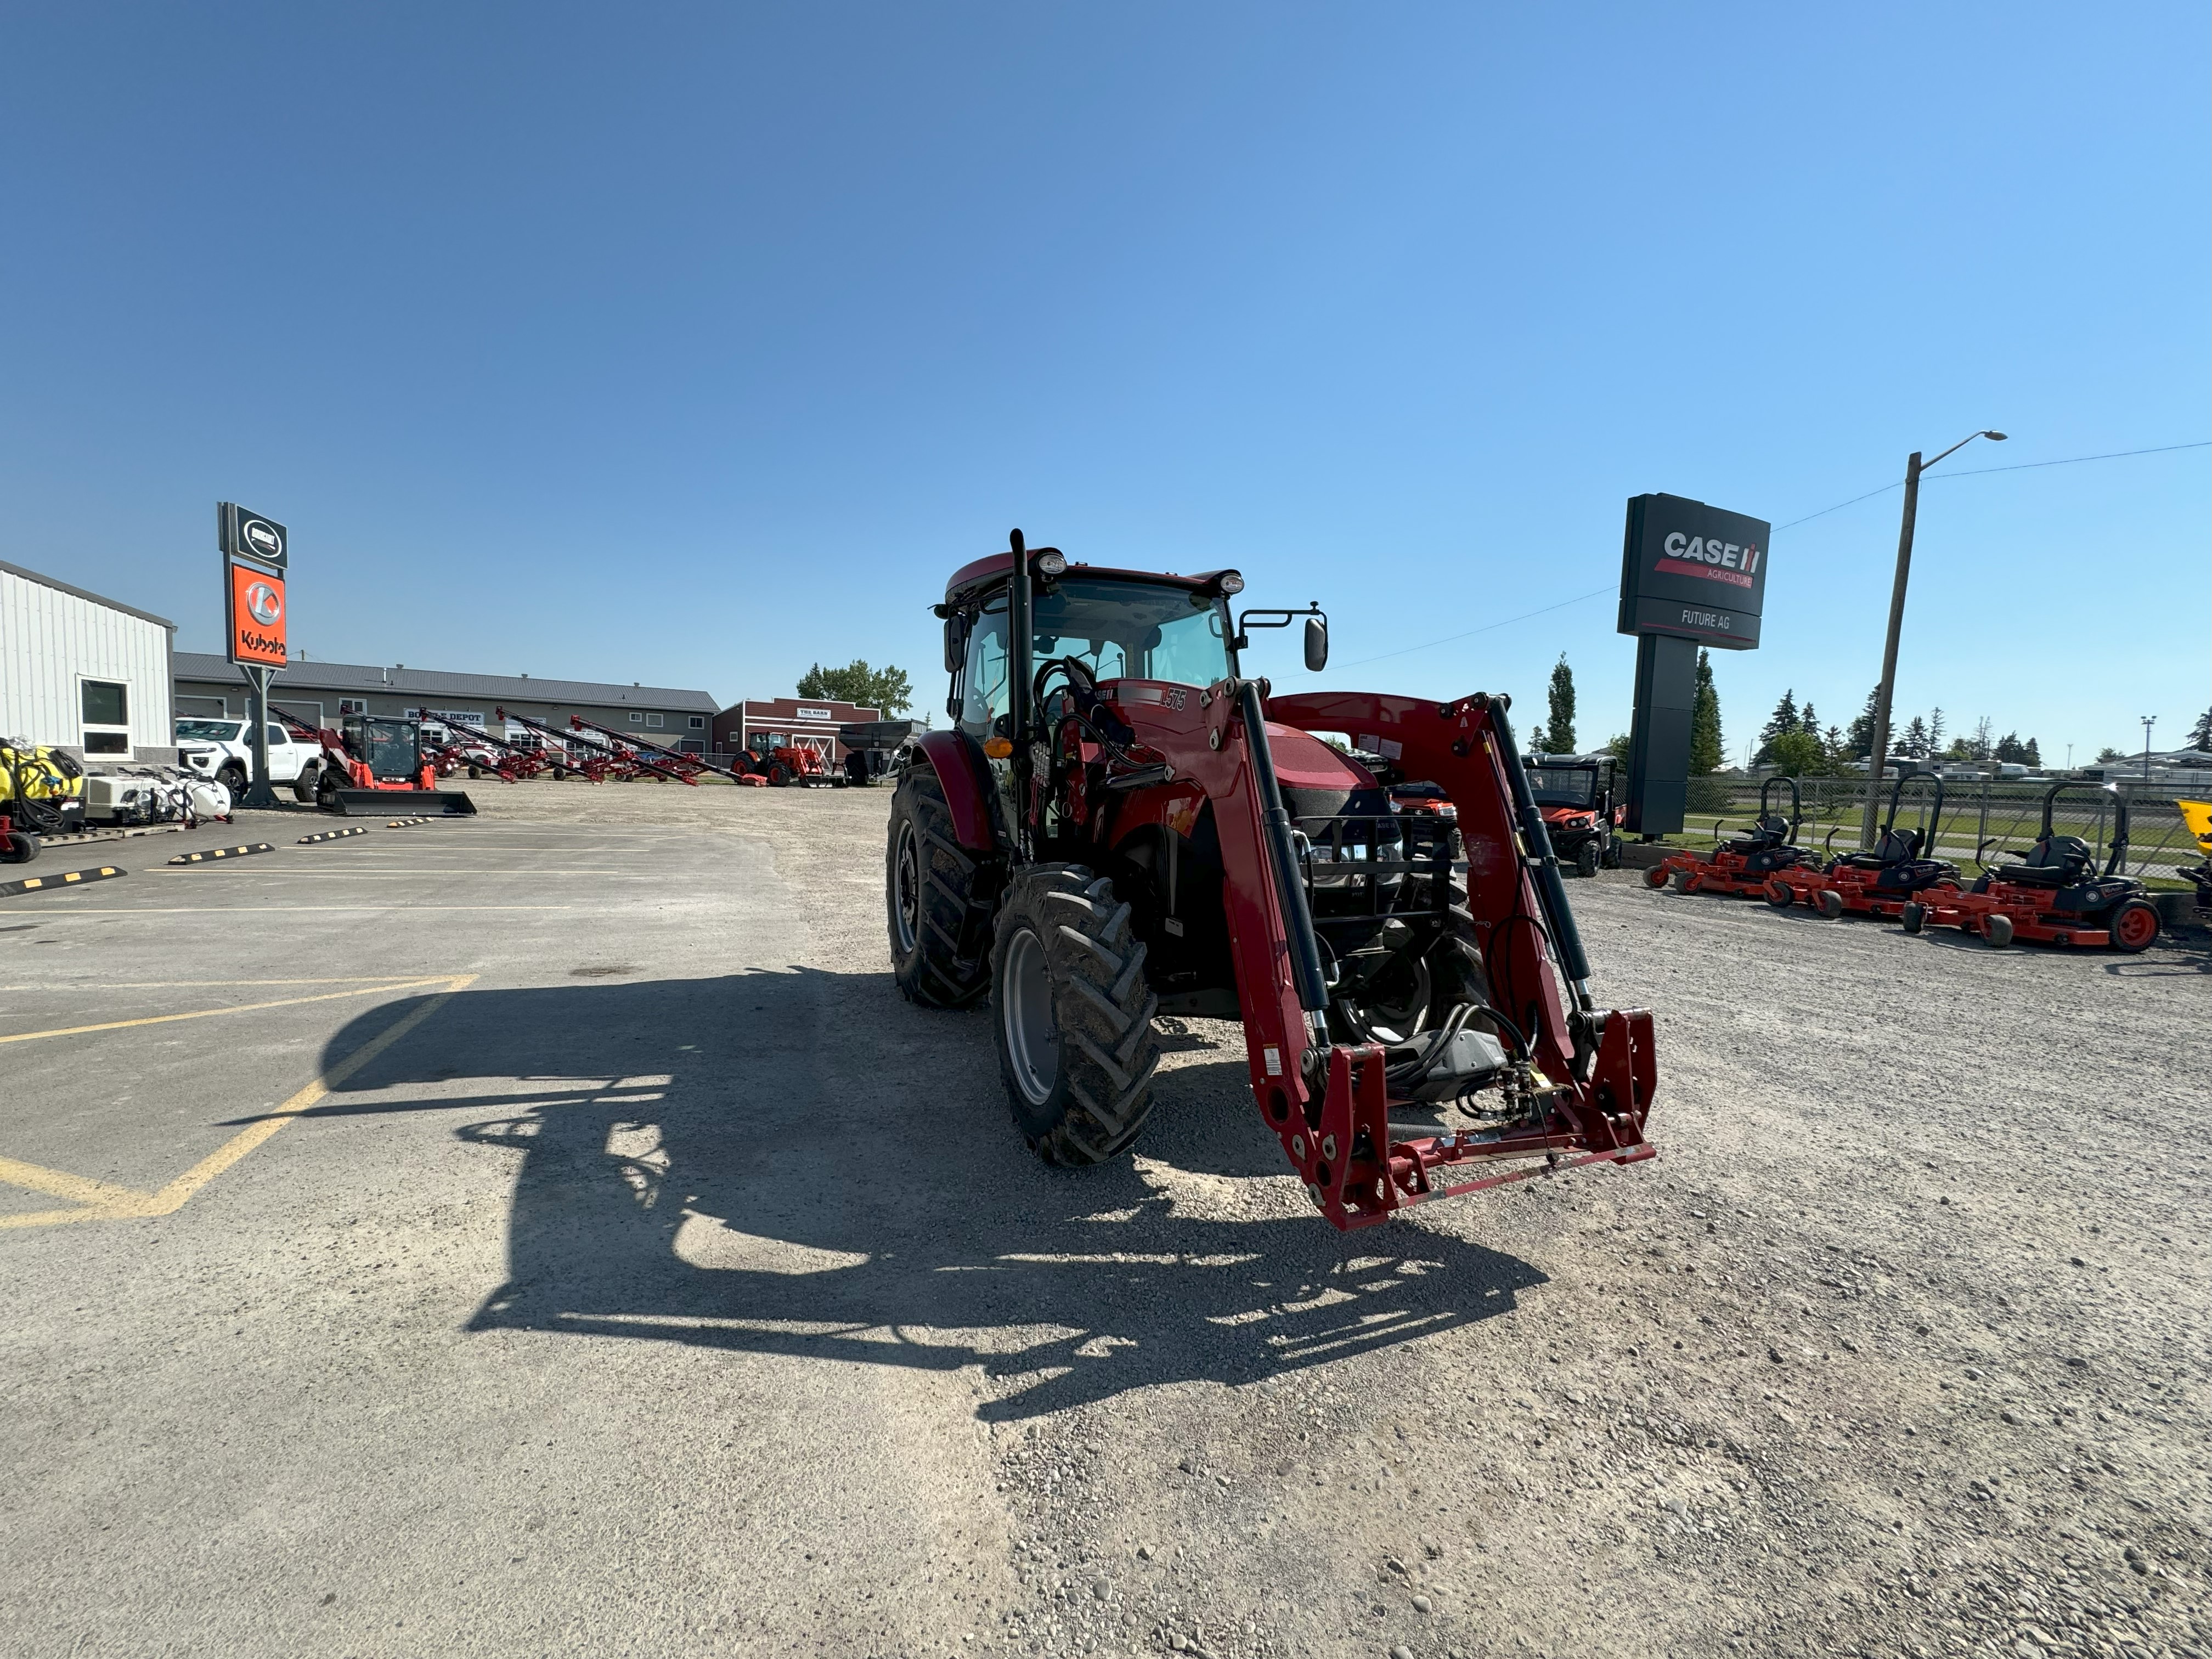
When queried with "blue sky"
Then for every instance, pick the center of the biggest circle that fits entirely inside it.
(690, 344)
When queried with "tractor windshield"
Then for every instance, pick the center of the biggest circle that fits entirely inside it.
(1563, 786)
(1118, 629)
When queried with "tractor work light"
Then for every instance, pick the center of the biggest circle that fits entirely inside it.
(1229, 582)
(1051, 562)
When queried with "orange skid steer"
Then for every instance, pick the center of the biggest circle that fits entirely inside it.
(1121, 825)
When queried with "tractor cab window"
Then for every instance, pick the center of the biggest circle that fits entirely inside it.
(1117, 629)
(1563, 786)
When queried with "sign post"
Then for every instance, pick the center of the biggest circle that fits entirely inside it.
(1690, 575)
(256, 555)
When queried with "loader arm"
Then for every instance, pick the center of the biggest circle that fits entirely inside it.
(1585, 1082)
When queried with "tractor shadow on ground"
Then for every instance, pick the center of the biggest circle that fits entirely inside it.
(800, 1163)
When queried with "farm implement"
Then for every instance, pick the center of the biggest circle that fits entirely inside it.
(2055, 895)
(373, 764)
(1880, 881)
(482, 753)
(599, 762)
(1745, 865)
(679, 760)
(1121, 825)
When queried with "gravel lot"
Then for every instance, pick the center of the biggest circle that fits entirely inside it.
(1899, 1348)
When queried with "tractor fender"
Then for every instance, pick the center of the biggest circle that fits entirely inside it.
(965, 777)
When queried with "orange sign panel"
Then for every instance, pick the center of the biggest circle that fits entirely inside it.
(256, 617)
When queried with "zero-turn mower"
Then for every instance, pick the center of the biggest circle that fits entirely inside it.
(1121, 825)
(2055, 895)
(1880, 881)
(1744, 865)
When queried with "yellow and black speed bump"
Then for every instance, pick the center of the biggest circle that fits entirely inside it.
(332, 835)
(67, 878)
(405, 823)
(222, 853)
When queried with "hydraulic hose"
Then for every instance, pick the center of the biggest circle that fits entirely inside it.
(1290, 881)
(1544, 863)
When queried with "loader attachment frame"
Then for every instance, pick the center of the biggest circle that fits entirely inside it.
(1581, 1080)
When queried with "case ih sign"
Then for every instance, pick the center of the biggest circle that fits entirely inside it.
(1693, 571)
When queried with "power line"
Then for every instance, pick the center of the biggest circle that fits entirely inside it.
(1609, 587)
(1973, 471)
(2022, 466)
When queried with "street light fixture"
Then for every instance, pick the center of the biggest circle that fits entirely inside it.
(1914, 466)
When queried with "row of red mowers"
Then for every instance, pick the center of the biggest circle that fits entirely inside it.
(2054, 894)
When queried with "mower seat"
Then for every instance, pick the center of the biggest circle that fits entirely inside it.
(1895, 847)
(1769, 831)
(2053, 861)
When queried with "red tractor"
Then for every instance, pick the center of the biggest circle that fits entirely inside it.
(773, 757)
(1120, 825)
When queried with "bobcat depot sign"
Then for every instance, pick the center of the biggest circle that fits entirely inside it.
(1693, 571)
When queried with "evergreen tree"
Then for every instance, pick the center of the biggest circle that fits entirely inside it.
(2011, 750)
(2200, 735)
(1796, 753)
(1981, 745)
(1862, 734)
(1784, 719)
(1536, 744)
(2107, 754)
(1833, 744)
(1807, 720)
(1706, 750)
(2035, 753)
(1936, 732)
(1915, 740)
(1561, 731)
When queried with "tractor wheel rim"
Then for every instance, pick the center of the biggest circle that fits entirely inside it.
(906, 898)
(1026, 1013)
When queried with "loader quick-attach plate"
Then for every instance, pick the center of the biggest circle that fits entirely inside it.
(383, 803)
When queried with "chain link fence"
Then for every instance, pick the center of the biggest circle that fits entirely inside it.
(1982, 815)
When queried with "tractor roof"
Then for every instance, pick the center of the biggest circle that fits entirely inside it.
(987, 572)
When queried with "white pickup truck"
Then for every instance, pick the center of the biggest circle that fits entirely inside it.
(224, 750)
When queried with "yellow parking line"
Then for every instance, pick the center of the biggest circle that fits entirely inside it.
(210, 1013)
(103, 1202)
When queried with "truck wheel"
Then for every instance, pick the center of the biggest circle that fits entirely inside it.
(1586, 858)
(303, 787)
(233, 778)
(1073, 1014)
(934, 893)
(2134, 925)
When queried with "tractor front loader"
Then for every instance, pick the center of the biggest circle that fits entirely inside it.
(1121, 825)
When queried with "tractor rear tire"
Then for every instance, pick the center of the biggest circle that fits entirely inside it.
(1586, 858)
(2133, 927)
(1072, 1013)
(1912, 917)
(937, 899)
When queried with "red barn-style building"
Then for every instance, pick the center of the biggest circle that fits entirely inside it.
(808, 722)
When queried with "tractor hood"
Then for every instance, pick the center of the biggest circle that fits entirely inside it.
(1318, 782)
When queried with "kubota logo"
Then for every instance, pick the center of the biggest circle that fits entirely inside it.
(261, 537)
(264, 604)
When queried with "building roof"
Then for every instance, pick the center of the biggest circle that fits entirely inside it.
(81, 593)
(434, 683)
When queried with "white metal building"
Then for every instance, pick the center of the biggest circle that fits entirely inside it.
(82, 672)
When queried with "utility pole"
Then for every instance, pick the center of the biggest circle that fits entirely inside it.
(1914, 469)
(2148, 721)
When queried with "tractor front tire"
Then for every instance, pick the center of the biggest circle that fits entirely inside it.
(779, 776)
(1072, 1013)
(936, 899)
(1586, 858)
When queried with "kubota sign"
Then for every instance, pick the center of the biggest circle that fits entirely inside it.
(1694, 571)
(256, 616)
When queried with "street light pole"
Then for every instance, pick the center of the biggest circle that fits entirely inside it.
(2148, 721)
(1913, 468)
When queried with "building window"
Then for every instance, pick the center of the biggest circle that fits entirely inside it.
(698, 722)
(652, 720)
(106, 718)
(204, 707)
(635, 718)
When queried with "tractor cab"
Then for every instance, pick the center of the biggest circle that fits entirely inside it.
(390, 749)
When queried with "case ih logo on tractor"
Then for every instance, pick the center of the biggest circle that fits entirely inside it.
(1120, 825)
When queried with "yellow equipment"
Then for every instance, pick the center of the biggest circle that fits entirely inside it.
(41, 793)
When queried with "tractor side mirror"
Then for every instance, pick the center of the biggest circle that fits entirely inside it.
(956, 642)
(1316, 644)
